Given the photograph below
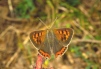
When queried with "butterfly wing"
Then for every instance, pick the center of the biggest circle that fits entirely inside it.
(62, 39)
(38, 38)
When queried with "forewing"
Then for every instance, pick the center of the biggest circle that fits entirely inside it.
(37, 38)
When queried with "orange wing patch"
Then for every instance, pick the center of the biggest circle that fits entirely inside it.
(62, 34)
(61, 52)
(39, 36)
(44, 53)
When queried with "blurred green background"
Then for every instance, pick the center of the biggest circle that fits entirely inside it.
(20, 17)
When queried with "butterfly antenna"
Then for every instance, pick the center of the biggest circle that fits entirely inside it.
(53, 22)
(43, 22)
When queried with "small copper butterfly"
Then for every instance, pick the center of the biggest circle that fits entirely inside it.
(51, 41)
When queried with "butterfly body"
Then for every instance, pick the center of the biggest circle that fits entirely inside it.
(51, 41)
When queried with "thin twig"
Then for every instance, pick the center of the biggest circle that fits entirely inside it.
(13, 57)
(86, 32)
(82, 40)
(39, 62)
(9, 28)
(10, 7)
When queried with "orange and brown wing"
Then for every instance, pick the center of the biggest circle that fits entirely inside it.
(38, 38)
(62, 37)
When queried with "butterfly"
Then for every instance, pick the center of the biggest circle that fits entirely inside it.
(51, 41)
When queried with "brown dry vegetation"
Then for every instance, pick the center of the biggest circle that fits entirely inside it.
(16, 50)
